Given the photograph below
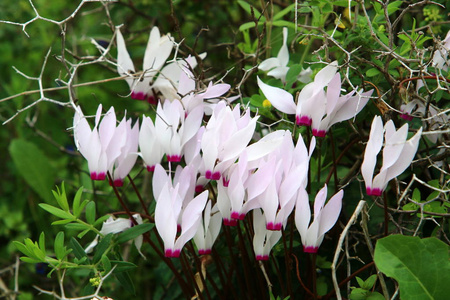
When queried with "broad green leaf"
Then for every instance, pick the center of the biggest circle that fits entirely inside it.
(134, 232)
(420, 266)
(59, 246)
(33, 165)
(56, 211)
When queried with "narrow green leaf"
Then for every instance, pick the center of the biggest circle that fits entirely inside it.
(62, 222)
(61, 197)
(33, 165)
(90, 212)
(78, 251)
(23, 248)
(283, 23)
(360, 281)
(59, 245)
(83, 233)
(247, 26)
(125, 280)
(284, 12)
(101, 248)
(42, 242)
(56, 211)
(30, 260)
(420, 266)
(77, 207)
(134, 232)
(101, 220)
(122, 266)
(248, 8)
(106, 263)
(76, 226)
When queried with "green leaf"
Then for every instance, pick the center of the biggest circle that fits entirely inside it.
(372, 72)
(104, 244)
(56, 211)
(61, 197)
(60, 250)
(90, 212)
(77, 207)
(134, 232)
(248, 8)
(420, 266)
(106, 263)
(22, 248)
(78, 251)
(101, 220)
(42, 242)
(247, 26)
(126, 282)
(33, 165)
(360, 281)
(283, 23)
(83, 233)
(76, 226)
(62, 222)
(283, 12)
(122, 266)
(368, 284)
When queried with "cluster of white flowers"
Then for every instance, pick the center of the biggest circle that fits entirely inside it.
(268, 177)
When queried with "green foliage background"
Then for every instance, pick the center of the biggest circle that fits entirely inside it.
(36, 147)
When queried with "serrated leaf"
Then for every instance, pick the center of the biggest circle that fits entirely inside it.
(59, 245)
(90, 212)
(104, 244)
(56, 211)
(420, 266)
(134, 232)
(33, 165)
(77, 206)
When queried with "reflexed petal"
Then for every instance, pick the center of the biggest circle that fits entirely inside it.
(279, 98)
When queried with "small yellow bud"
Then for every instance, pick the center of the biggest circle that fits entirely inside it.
(266, 104)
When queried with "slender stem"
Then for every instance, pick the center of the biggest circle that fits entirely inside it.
(230, 243)
(245, 262)
(386, 215)
(314, 274)
(333, 153)
(299, 277)
(343, 282)
(190, 275)
(139, 196)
